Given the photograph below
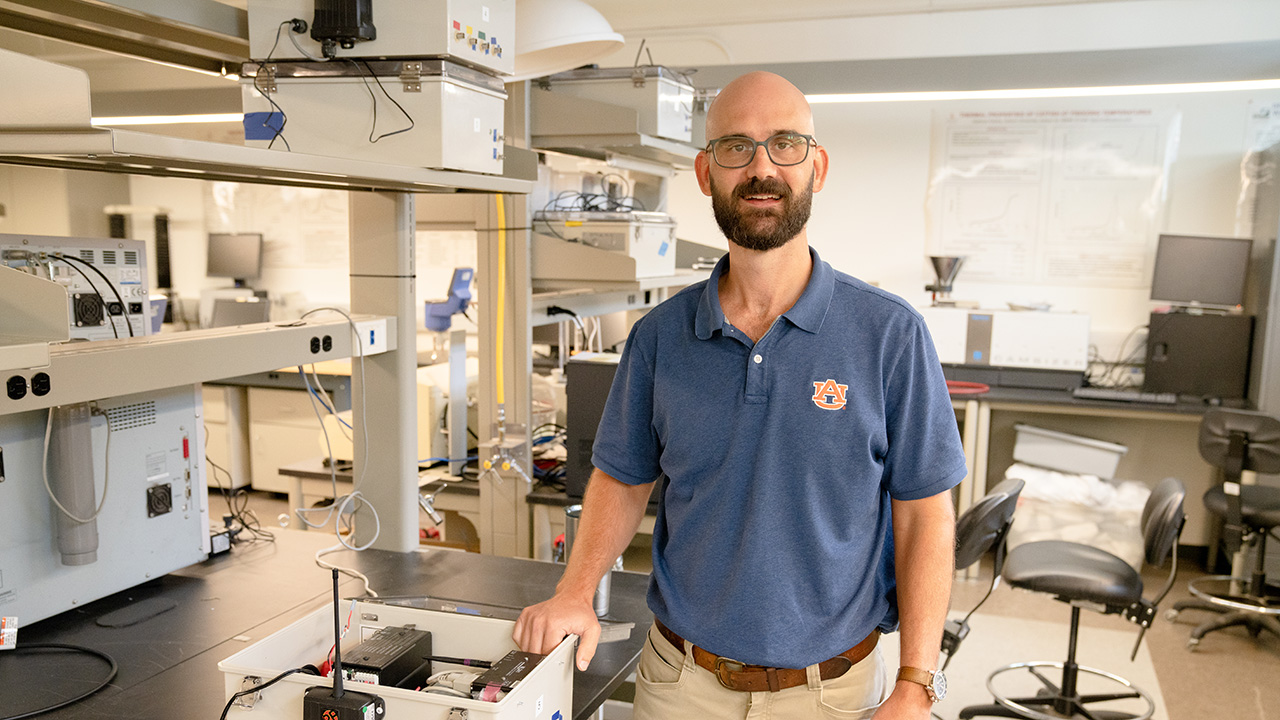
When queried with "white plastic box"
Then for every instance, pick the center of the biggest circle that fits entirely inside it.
(1065, 452)
(331, 108)
(477, 32)
(545, 694)
(663, 99)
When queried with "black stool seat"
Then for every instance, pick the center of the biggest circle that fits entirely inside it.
(1073, 571)
(1259, 504)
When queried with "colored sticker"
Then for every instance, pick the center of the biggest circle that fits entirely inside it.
(662, 249)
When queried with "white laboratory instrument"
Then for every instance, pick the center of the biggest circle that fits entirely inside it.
(1009, 338)
(105, 280)
(146, 473)
(480, 33)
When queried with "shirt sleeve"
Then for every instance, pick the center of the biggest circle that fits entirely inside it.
(627, 446)
(925, 455)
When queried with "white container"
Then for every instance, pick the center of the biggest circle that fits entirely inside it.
(1066, 453)
(329, 109)
(476, 32)
(662, 98)
(545, 694)
(647, 237)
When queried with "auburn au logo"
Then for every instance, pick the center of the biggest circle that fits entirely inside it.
(828, 395)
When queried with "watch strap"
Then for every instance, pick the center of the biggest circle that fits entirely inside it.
(920, 677)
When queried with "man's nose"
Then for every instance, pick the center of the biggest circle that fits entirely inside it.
(761, 165)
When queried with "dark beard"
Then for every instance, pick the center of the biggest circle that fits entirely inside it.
(762, 229)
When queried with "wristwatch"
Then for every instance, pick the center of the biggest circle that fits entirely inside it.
(935, 683)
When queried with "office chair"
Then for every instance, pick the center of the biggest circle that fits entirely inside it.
(1086, 577)
(981, 529)
(1235, 441)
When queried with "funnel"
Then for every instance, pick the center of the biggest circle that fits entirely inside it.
(946, 267)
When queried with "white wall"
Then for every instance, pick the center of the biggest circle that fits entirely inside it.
(870, 220)
(35, 201)
(282, 218)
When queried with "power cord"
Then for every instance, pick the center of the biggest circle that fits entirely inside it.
(111, 675)
(124, 309)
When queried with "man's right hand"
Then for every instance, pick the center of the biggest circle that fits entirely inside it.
(541, 627)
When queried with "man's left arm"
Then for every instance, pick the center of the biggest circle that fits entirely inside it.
(924, 562)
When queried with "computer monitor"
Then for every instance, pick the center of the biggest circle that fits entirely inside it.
(235, 255)
(1203, 271)
(239, 311)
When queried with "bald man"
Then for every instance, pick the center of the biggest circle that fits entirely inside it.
(801, 427)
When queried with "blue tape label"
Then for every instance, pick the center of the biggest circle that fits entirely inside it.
(262, 125)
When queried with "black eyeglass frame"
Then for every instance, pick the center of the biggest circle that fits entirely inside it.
(710, 149)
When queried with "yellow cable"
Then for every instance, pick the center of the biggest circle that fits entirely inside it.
(502, 295)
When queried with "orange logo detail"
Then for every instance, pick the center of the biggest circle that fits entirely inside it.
(828, 395)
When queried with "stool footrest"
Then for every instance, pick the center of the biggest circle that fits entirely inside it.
(1051, 696)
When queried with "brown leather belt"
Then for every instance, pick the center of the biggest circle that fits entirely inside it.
(757, 678)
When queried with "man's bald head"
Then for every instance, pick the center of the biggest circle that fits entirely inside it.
(758, 105)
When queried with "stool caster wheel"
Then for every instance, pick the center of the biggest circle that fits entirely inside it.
(1170, 615)
(1193, 643)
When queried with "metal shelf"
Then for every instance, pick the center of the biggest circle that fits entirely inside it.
(81, 372)
(137, 153)
(600, 298)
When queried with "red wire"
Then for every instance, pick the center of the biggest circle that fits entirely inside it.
(960, 387)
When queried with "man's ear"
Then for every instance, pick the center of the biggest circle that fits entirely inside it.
(820, 165)
(702, 168)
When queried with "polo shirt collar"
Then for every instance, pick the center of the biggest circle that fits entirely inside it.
(807, 314)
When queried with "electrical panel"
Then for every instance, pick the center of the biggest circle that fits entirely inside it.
(480, 33)
(147, 475)
(428, 113)
(105, 279)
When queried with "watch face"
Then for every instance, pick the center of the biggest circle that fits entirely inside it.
(939, 685)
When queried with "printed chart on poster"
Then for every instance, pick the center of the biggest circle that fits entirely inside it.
(1261, 135)
(1070, 197)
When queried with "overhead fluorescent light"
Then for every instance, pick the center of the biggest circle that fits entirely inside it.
(939, 95)
(167, 119)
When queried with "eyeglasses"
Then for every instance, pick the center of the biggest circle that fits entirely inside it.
(735, 151)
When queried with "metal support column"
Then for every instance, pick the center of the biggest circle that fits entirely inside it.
(386, 436)
(504, 525)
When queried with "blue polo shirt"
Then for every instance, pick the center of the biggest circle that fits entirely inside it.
(773, 542)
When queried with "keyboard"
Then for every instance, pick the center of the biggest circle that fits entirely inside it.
(1134, 396)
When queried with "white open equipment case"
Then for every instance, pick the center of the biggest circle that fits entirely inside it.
(330, 109)
(545, 694)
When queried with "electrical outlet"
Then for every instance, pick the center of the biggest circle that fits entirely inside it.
(372, 336)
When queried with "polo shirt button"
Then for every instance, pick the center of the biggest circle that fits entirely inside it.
(758, 359)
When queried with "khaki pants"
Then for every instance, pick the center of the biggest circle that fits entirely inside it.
(670, 685)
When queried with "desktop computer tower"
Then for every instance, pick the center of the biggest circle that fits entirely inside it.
(1199, 355)
(588, 377)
